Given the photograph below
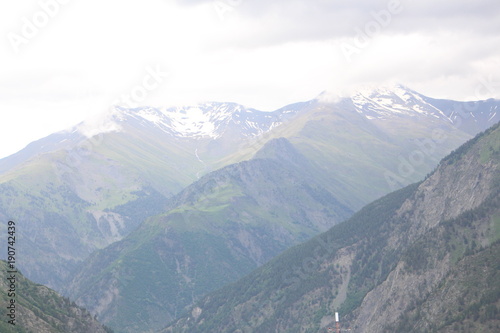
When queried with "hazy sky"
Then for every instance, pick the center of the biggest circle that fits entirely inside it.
(63, 60)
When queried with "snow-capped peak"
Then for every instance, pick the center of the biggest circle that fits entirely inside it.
(389, 101)
(207, 120)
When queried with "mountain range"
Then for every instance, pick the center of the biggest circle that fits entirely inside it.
(200, 196)
(421, 259)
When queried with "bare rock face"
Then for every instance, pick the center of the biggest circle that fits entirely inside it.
(450, 191)
(458, 192)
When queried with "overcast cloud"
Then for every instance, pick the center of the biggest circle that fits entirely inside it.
(263, 54)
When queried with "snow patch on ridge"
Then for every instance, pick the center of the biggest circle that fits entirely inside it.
(390, 101)
(191, 122)
(209, 120)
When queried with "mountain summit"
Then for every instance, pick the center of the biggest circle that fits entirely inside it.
(397, 100)
(381, 103)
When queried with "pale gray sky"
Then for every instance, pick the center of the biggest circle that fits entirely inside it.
(64, 60)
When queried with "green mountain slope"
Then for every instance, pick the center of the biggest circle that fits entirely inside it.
(41, 310)
(422, 259)
(66, 215)
(215, 231)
